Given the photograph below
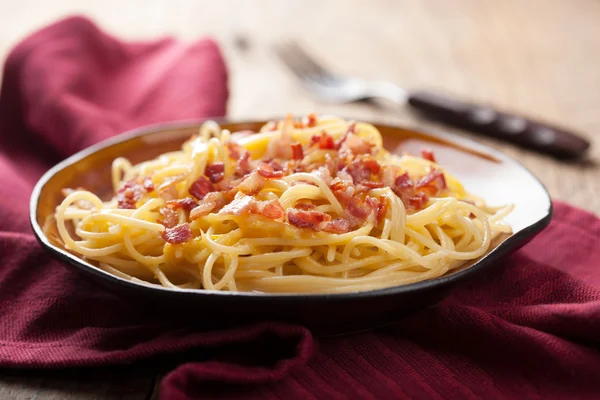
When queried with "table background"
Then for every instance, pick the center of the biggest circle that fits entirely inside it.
(537, 57)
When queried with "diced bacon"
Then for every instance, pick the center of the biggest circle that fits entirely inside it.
(372, 184)
(362, 169)
(389, 174)
(235, 150)
(215, 172)
(356, 145)
(210, 203)
(432, 183)
(267, 171)
(247, 204)
(148, 184)
(338, 225)
(178, 234)
(325, 141)
(311, 120)
(428, 155)
(270, 209)
(350, 131)
(201, 188)
(418, 200)
(374, 205)
(358, 209)
(252, 184)
(170, 217)
(307, 219)
(297, 152)
(381, 209)
(345, 176)
(323, 174)
(275, 165)
(304, 206)
(235, 136)
(403, 182)
(243, 167)
(132, 191)
(342, 190)
(187, 203)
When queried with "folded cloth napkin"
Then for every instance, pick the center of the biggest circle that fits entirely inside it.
(528, 329)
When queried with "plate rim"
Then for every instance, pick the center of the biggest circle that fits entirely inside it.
(487, 260)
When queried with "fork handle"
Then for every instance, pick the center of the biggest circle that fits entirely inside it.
(509, 127)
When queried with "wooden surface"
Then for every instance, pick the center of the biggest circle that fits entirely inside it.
(541, 58)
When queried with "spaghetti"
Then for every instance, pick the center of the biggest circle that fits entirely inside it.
(311, 205)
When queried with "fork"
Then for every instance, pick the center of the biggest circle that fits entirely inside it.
(482, 119)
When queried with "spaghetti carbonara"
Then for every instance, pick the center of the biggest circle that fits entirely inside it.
(310, 205)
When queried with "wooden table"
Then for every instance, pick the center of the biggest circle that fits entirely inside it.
(537, 57)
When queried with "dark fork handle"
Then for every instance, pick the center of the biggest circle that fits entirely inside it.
(513, 128)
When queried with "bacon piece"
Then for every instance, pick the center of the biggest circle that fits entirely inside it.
(148, 184)
(325, 141)
(432, 183)
(356, 145)
(374, 205)
(358, 209)
(304, 206)
(235, 150)
(428, 155)
(403, 182)
(418, 200)
(342, 190)
(243, 167)
(311, 120)
(178, 234)
(307, 219)
(275, 165)
(170, 217)
(267, 171)
(323, 174)
(338, 225)
(215, 172)
(132, 191)
(252, 184)
(270, 209)
(201, 188)
(350, 131)
(297, 152)
(248, 204)
(187, 203)
(362, 169)
(372, 185)
(210, 203)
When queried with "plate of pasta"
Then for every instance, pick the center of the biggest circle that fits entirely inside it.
(326, 221)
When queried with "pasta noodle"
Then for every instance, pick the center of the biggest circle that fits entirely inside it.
(315, 205)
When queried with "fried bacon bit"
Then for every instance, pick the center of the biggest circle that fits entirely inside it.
(170, 217)
(372, 185)
(323, 174)
(311, 120)
(178, 234)
(132, 191)
(148, 184)
(243, 167)
(358, 209)
(267, 171)
(362, 169)
(356, 145)
(215, 172)
(297, 152)
(201, 188)
(307, 219)
(418, 200)
(252, 184)
(187, 203)
(275, 165)
(304, 206)
(433, 182)
(235, 150)
(428, 155)
(325, 141)
(210, 203)
(338, 225)
(376, 205)
(247, 204)
(403, 182)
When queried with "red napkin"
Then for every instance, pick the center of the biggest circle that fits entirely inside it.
(528, 329)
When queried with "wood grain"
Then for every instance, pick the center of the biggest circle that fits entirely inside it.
(538, 57)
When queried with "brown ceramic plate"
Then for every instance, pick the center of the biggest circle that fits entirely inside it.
(484, 171)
